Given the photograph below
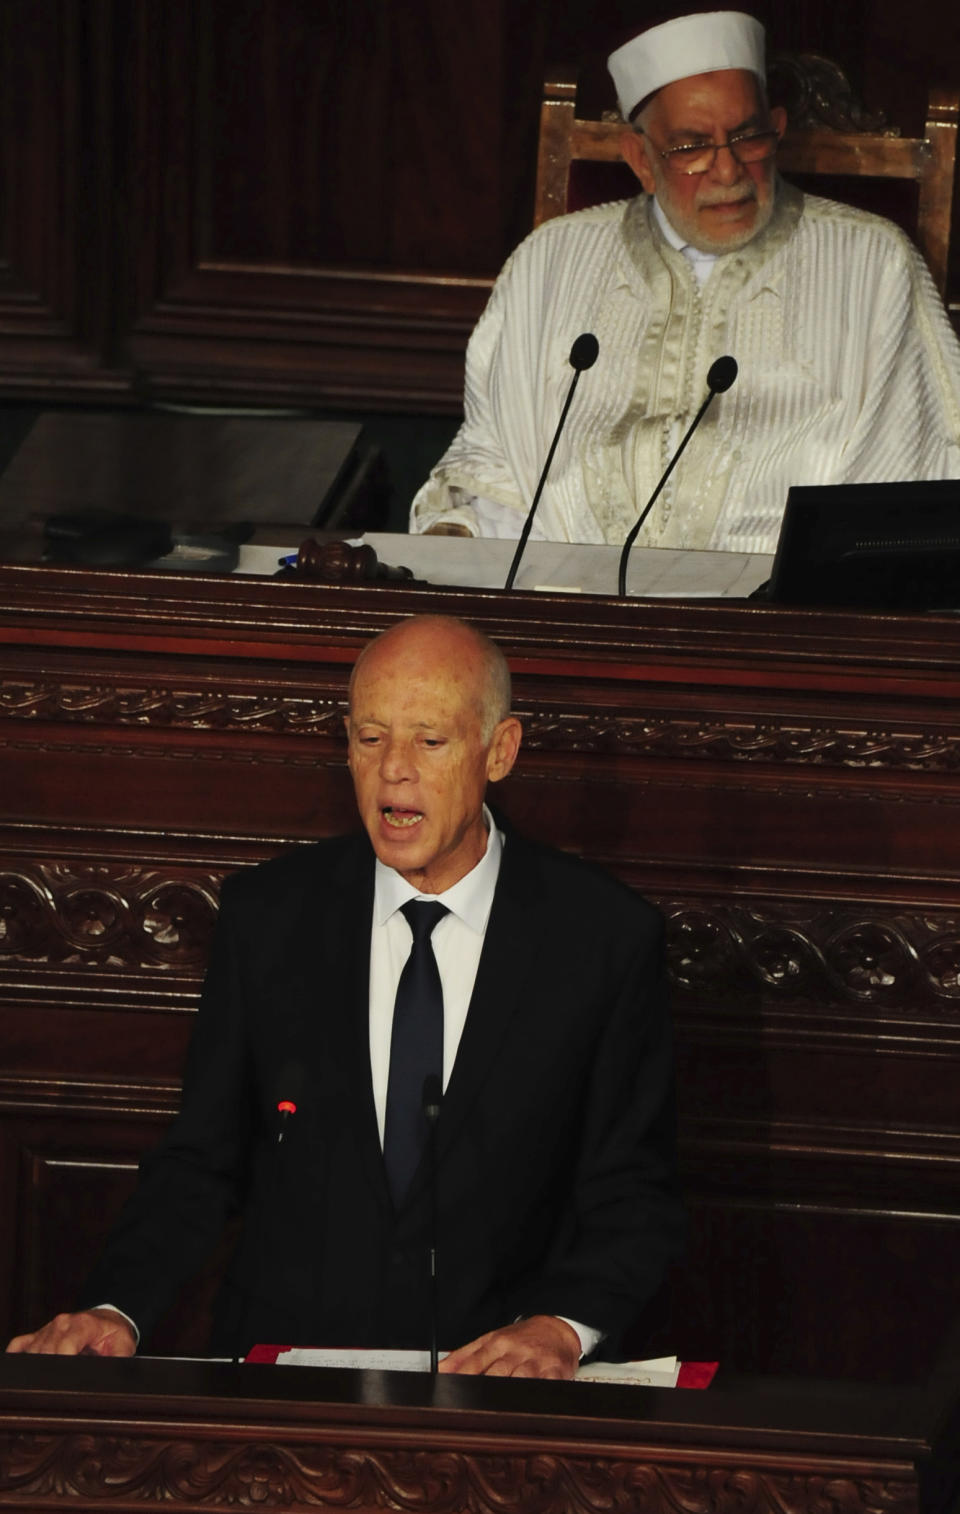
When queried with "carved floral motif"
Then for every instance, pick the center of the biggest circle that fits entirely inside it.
(825, 955)
(270, 1476)
(199, 710)
(117, 916)
(106, 915)
(818, 96)
(740, 739)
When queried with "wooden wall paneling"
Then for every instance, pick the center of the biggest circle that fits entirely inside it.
(67, 1190)
(814, 963)
(58, 223)
(310, 192)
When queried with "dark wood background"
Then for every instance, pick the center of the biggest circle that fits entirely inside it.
(305, 200)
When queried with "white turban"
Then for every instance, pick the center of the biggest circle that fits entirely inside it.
(700, 44)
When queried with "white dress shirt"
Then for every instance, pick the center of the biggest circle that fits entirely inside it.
(701, 262)
(457, 942)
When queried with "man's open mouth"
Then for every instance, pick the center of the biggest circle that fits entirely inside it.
(400, 818)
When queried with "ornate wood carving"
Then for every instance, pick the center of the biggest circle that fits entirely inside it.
(199, 709)
(771, 738)
(818, 955)
(106, 915)
(267, 1475)
(110, 915)
(743, 739)
(818, 94)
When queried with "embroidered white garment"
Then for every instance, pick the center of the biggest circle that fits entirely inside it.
(849, 372)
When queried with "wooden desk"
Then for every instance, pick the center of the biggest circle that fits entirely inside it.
(783, 784)
(130, 1435)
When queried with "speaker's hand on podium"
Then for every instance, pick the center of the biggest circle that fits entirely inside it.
(91, 1332)
(541, 1346)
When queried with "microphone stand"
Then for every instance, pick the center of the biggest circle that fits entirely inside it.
(721, 375)
(432, 1094)
(583, 354)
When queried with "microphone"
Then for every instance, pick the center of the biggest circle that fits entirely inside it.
(287, 1088)
(583, 355)
(431, 1099)
(721, 374)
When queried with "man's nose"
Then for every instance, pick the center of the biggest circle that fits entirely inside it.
(726, 169)
(397, 761)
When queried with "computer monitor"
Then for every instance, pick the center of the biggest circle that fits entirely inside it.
(872, 546)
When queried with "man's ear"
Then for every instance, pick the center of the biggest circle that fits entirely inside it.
(778, 120)
(633, 150)
(503, 749)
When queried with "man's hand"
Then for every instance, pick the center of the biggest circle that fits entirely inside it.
(93, 1332)
(541, 1346)
(447, 528)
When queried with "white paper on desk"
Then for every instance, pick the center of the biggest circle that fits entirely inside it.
(660, 1373)
(483, 563)
(367, 1360)
(658, 572)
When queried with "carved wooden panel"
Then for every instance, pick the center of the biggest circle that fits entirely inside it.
(862, 959)
(116, 917)
(66, 1198)
(73, 1168)
(311, 174)
(822, 738)
(102, 916)
(192, 1473)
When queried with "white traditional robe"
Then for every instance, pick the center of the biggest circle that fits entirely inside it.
(849, 372)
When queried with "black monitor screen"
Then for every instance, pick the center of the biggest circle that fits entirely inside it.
(877, 546)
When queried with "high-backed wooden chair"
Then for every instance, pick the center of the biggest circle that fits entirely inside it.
(830, 136)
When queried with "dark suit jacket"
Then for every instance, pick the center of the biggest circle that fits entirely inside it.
(555, 1140)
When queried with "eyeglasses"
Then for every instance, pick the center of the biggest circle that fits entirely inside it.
(699, 157)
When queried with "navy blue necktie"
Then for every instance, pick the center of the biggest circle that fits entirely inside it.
(416, 1049)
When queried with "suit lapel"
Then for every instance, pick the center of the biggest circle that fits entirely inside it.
(500, 987)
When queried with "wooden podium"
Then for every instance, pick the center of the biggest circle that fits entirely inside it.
(133, 1435)
(784, 784)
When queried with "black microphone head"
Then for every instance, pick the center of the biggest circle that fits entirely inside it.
(723, 371)
(583, 353)
(431, 1097)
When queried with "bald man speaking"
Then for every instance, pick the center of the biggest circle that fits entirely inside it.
(437, 944)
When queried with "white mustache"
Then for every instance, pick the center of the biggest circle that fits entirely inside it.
(733, 196)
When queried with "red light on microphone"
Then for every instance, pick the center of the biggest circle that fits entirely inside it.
(286, 1106)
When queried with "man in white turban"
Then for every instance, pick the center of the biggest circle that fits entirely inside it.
(849, 370)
